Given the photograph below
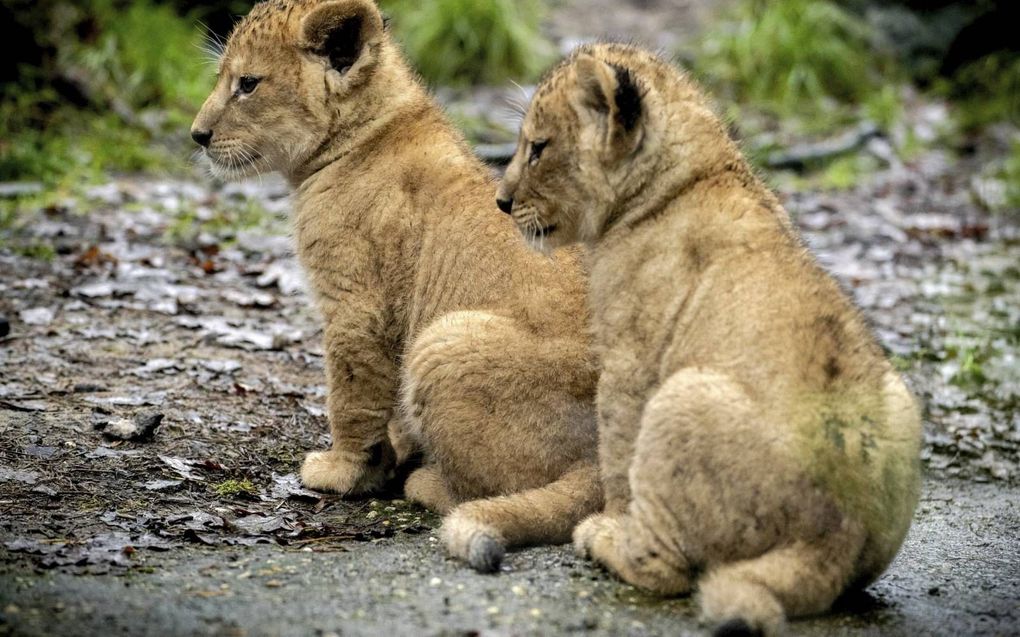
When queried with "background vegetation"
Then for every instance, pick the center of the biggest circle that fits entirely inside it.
(110, 85)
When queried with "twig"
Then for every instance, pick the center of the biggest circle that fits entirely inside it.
(799, 157)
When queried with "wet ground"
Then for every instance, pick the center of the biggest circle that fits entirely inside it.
(956, 575)
(162, 379)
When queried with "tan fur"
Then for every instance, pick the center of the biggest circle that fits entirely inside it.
(751, 429)
(476, 349)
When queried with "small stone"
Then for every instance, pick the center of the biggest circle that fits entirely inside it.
(5, 327)
(143, 427)
(274, 583)
(435, 581)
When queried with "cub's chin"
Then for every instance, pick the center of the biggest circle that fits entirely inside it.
(544, 237)
(235, 168)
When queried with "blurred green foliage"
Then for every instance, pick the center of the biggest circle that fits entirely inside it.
(985, 91)
(115, 93)
(146, 53)
(1011, 175)
(117, 82)
(457, 42)
(797, 57)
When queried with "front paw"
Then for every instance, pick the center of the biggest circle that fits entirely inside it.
(347, 472)
(588, 531)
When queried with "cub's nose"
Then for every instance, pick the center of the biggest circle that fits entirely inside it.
(202, 137)
(506, 205)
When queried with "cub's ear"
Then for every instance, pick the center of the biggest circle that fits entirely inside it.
(612, 95)
(346, 32)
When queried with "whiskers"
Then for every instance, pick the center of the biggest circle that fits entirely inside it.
(531, 227)
(251, 158)
(240, 161)
(515, 108)
(212, 46)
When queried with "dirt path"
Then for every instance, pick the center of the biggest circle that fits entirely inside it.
(957, 575)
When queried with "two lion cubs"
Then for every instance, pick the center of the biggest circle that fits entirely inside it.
(751, 435)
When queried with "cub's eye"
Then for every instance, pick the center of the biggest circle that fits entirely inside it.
(536, 150)
(247, 84)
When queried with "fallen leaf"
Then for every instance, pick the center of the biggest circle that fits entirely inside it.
(289, 486)
(14, 475)
(182, 467)
(154, 366)
(37, 451)
(162, 485)
(40, 316)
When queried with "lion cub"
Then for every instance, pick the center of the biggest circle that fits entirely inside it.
(471, 349)
(754, 438)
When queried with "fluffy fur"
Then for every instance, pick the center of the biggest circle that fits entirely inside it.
(754, 440)
(441, 326)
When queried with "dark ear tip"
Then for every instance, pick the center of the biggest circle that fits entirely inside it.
(628, 98)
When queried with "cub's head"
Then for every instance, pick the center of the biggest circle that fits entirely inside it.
(585, 121)
(600, 131)
(293, 76)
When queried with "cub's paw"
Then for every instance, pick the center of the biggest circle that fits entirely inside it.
(591, 530)
(348, 472)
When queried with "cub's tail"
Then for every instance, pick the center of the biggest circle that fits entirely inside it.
(754, 597)
(480, 531)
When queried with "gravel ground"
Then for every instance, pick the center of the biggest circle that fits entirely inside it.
(957, 575)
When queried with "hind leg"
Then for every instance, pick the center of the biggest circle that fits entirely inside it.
(427, 487)
(716, 482)
(646, 544)
(801, 579)
(496, 408)
(692, 495)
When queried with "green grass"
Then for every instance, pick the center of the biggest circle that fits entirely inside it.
(144, 59)
(458, 42)
(235, 488)
(224, 222)
(147, 55)
(798, 57)
(986, 91)
(1011, 175)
